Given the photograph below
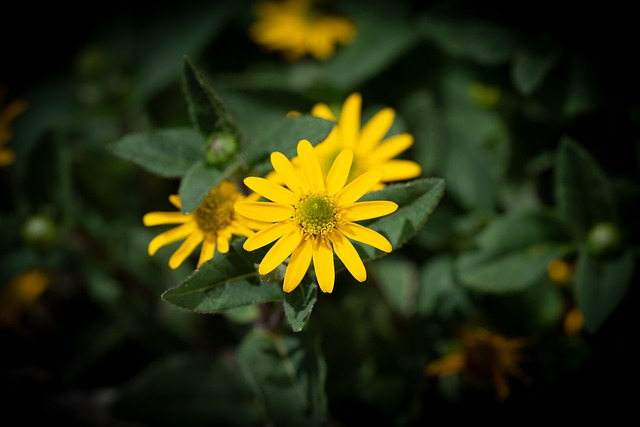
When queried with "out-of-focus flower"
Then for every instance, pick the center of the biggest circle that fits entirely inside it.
(298, 28)
(20, 294)
(485, 356)
(573, 322)
(213, 223)
(371, 150)
(314, 217)
(8, 114)
(561, 271)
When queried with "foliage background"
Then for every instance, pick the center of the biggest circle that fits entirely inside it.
(100, 347)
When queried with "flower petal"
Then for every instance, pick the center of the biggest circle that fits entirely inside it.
(375, 129)
(298, 265)
(223, 242)
(266, 236)
(367, 210)
(365, 235)
(398, 170)
(358, 187)
(271, 190)
(348, 255)
(185, 249)
(161, 218)
(323, 265)
(288, 173)
(280, 251)
(173, 235)
(323, 111)
(337, 176)
(264, 211)
(175, 201)
(349, 122)
(310, 166)
(207, 252)
(390, 148)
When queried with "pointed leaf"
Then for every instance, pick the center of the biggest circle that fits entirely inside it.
(399, 281)
(168, 153)
(298, 305)
(513, 252)
(531, 64)
(197, 182)
(227, 281)
(582, 190)
(288, 374)
(439, 293)
(600, 286)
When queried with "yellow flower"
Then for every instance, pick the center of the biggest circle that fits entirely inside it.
(371, 150)
(561, 271)
(486, 356)
(213, 223)
(314, 217)
(7, 115)
(21, 294)
(573, 322)
(298, 27)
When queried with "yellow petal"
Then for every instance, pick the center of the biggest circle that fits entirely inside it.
(337, 176)
(187, 247)
(349, 122)
(349, 256)
(365, 235)
(288, 173)
(173, 235)
(375, 129)
(264, 211)
(398, 170)
(390, 148)
(207, 251)
(310, 166)
(358, 187)
(266, 236)
(323, 111)
(280, 251)
(323, 265)
(175, 201)
(451, 364)
(298, 265)
(367, 210)
(161, 218)
(271, 190)
(223, 242)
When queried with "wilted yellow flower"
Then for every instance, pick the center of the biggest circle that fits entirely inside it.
(314, 217)
(298, 28)
(485, 356)
(8, 114)
(213, 223)
(21, 293)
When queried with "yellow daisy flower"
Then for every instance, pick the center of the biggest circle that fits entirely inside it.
(371, 150)
(486, 356)
(313, 217)
(213, 223)
(298, 28)
(7, 115)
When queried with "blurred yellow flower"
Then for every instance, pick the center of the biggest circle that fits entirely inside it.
(8, 114)
(485, 356)
(213, 223)
(314, 217)
(573, 322)
(561, 272)
(20, 294)
(298, 28)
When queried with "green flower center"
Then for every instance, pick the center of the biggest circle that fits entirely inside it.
(316, 214)
(215, 212)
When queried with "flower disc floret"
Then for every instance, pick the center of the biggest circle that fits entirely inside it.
(317, 214)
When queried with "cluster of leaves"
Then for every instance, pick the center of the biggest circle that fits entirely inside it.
(534, 130)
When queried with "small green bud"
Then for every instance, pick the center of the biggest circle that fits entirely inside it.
(40, 231)
(220, 148)
(604, 239)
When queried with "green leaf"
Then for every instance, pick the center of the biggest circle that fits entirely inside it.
(284, 137)
(416, 201)
(531, 64)
(208, 112)
(199, 180)
(169, 153)
(582, 190)
(600, 285)
(398, 279)
(298, 305)
(227, 281)
(513, 252)
(189, 391)
(439, 293)
(288, 374)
